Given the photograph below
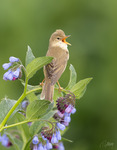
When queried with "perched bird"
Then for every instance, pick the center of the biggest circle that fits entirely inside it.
(53, 71)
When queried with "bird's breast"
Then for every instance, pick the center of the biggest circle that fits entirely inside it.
(58, 53)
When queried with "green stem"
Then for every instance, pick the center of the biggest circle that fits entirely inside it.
(14, 106)
(26, 121)
(34, 90)
(37, 89)
(17, 124)
(25, 88)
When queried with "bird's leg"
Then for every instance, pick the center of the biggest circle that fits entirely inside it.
(60, 88)
(42, 82)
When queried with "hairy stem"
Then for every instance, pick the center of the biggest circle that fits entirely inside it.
(26, 121)
(14, 106)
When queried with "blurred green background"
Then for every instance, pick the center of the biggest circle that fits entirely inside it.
(93, 26)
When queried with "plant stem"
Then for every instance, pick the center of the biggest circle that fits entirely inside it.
(26, 121)
(34, 90)
(14, 106)
(17, 124)
(11, 110)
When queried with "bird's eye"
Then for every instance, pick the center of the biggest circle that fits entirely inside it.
(58, 38)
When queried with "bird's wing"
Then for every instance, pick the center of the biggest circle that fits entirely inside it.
(55, 69)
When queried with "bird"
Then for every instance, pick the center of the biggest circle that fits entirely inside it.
(58, 49)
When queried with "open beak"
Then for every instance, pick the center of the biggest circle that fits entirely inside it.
(64, 40)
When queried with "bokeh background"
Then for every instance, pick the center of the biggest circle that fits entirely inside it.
(93, 28)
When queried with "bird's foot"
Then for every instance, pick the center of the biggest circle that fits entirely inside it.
(60, 88)
(42, 83)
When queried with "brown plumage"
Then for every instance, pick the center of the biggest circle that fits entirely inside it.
(53, 71)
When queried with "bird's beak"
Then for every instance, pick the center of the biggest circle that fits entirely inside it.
(64, 40)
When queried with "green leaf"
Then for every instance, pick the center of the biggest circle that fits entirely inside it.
(73, 77)
(64, 139)
(17, 143)
(79, 88)
(36, 64)
(24, 128)
(50, 107)
(6, 148)
(27, 146)
(31, 97)
(36, 126)
(36, 109)
(29, 56)
(5, 106)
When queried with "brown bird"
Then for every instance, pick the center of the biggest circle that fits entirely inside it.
(53, 71)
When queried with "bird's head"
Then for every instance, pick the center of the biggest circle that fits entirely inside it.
(58, 38)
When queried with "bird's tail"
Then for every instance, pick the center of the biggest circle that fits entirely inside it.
(47, 91)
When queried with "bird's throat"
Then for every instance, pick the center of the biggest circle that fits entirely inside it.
(61, 45)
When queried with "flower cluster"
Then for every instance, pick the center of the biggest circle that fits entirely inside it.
(41, 145)
(15, 72)
(65, 107)
(51, 138)
(5, 141)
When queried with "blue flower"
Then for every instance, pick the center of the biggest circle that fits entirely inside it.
(13, 59)
(44, 147)
(73, 110)
(24, 104)
(6, 65)
(58, 135)
(16, 73)
(60, 114)
(35, 140)
(48, 145)
(66, 123)
(43, 137)
(67, 117)
(69, 109)
(5, 140)
(8, 75)
(54, 139)
(60, 126)
(35, 147)
(12, 75)
(40, 147)
(61, 146)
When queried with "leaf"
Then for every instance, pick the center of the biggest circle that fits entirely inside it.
(17, 143)
(50, 107)
(73, 77)
(29, 56)
(27, 146)
(36, 64)
(36, 109)
(31, 97)
(64, 139)
(5, 106)
(79, 88)
(24, 128)
(6, 148)
(36, 126)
